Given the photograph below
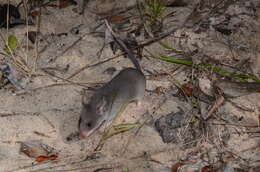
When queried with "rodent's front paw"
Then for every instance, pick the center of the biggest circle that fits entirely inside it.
(73, 137)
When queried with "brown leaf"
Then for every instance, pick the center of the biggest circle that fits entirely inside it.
(40, 159)
(187, 90)
(63, 4)
(159, 90)
(32, 150)
(176, 166)
(35, 13)
(115, 19)
(207, 168)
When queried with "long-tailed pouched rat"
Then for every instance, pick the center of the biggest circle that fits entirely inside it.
(111, 99)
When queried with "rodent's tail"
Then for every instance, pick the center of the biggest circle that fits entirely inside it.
(129, 53)
(124, 47)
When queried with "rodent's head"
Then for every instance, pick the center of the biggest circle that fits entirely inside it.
(92, 116)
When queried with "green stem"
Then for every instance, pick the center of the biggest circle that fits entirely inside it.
(219, 70)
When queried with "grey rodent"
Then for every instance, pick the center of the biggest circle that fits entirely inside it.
(109, 100)
(129, 85)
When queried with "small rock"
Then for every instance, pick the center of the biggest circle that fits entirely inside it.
(168, 125)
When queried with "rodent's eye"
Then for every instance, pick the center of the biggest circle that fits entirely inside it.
(89, 124)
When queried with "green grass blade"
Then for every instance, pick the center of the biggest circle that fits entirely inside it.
(219, 70)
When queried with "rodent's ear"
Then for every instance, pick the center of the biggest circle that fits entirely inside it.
(85, 97)
(102, 106)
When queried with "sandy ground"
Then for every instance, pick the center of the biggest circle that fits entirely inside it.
(53, 111)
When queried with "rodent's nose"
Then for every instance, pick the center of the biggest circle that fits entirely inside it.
(82, 135)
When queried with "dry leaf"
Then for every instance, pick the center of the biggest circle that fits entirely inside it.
(40, 159)
(187, 90)
(207, 168)
(38, 150)
(176, 166)
(115, 19)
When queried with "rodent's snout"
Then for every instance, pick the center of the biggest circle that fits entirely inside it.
(82, 135)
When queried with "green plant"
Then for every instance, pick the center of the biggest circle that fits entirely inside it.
(154, 10)
(220, 70)
(151, 12)
(125, 170)
(10, 44)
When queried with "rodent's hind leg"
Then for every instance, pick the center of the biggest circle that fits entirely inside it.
(138, 103)
(138, 106)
